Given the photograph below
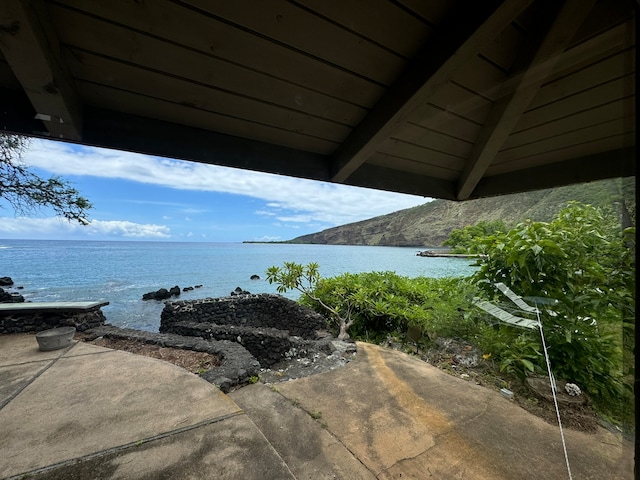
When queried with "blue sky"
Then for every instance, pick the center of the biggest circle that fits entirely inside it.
(140, 197)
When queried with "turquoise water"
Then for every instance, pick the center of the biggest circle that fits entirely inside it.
(121, 272)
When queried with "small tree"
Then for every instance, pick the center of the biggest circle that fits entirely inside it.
(305, 279)
(26, 192)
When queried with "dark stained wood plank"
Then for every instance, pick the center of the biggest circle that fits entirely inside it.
(580, 168)
(593, 133)
(481, 77)
(603, 16)
(598, 145)
(31, 49)
(569, 123)
(215, 38)
(119, 43)
(503, 50)
(380, 20)
(374, 176)
(433, 139)
(434, 11)
(144, 106)
(99, 70)
(565, 106)
(518, 95)
(432, 68)
(295, 27)
(426, 156)
(408, 165)
(601, 72)
(591, 147)
(110, 129)
(594, 50)
(464, 103)
(439, 119)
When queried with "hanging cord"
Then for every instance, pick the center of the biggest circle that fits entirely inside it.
(552, 380)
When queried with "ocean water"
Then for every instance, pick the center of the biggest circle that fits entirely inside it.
(121, 272)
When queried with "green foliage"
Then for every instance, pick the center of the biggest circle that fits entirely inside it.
(306, 279)
(461, 240)
(384, 303)
(521, 356)
(583, 260)
(26, 192)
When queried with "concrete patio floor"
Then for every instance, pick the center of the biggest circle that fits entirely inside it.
(87, 412)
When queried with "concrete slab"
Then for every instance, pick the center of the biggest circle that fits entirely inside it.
(13, 378)
(308, 449)
(23, 348)
(90, 412)
(404, 418)
(229, 449)
(87, 403)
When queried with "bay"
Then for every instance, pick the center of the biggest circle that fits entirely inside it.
(121, 272)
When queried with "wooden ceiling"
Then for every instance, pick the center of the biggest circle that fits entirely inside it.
(449, 99)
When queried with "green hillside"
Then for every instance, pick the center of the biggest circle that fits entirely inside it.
(429, 225)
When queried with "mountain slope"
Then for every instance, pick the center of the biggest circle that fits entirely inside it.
(429, 225)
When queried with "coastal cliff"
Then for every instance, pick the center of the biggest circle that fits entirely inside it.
(429, 225)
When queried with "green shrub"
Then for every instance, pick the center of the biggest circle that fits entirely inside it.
(384, 303)
(583, 260)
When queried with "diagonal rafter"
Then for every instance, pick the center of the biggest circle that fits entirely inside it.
(518, 91)
(29, 44)
(455, 44)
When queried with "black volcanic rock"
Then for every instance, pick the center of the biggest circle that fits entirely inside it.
(7, 297)
(162, 294)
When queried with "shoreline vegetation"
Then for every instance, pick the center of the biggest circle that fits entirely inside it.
(577, 259)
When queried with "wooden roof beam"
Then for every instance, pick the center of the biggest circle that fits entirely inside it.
(590, 168)
(456, 42)
(29, 43)
(518, 91)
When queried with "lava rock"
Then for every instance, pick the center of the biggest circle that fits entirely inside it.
(8, 297)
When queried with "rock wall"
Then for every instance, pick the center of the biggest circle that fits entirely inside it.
(256, 311)
(267, 345)
(30, 321)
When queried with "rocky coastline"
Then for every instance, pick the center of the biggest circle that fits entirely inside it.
(255, 336)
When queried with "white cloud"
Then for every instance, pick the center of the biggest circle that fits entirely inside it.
(296, 218)
(52, 227)
(328, 203)
(127, 229)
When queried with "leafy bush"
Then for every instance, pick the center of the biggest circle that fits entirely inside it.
(583, 260)
(384, 303)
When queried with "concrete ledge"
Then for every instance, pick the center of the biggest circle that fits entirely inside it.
(30, 317)
(50, 306)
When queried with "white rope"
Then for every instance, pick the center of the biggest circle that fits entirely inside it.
(552, 380)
